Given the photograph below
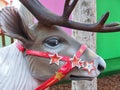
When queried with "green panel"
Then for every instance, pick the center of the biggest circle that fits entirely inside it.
(108, 45)
(113, 67)
(7, 41)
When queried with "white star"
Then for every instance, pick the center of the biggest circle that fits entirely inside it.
(89, 66)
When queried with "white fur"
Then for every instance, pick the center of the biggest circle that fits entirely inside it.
(14, 74)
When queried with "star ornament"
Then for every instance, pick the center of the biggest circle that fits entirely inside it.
(55, 58)
(59, 75)
(89, 66)
(75, 62)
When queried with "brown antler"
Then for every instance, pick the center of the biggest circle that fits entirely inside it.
(48, 18)
(68, 8)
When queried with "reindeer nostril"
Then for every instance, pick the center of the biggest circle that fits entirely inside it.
(101, 68)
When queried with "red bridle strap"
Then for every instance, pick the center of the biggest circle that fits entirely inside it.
(45, 54)
(63, 71)
(64, 58)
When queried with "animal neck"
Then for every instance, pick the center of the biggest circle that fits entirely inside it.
(14, 73)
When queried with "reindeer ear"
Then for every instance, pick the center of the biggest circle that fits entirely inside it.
(13, 25)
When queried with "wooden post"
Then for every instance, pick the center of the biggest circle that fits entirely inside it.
(85, 12)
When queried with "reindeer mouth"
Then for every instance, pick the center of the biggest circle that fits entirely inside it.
(73, 77)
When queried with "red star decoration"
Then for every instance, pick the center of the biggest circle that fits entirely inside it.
(55, 58)
(75, 62)
(89, 66)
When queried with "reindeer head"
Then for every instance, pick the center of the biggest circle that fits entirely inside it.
(46, 35)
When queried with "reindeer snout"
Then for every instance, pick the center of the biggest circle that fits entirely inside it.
(101, 64)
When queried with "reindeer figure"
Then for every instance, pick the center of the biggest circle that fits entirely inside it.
(43, 49)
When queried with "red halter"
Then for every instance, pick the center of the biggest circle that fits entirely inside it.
(65, 69)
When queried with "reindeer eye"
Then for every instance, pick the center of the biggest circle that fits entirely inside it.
(53, 42)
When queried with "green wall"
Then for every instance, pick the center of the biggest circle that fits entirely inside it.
(108, 45)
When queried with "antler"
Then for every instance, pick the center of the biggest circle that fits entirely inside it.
(46, 17)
